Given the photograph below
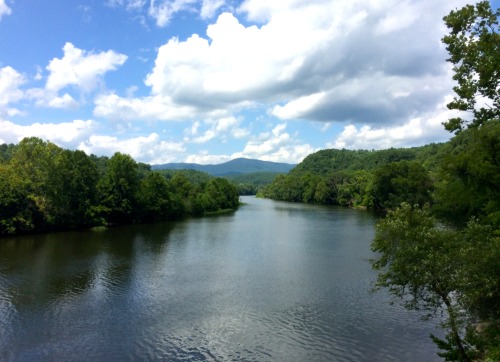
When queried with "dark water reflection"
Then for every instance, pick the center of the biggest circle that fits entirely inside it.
(271, 282)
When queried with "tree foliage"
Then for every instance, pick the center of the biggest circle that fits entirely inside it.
(371, 179)
(43, 187)
(450, 272)
(474, 47)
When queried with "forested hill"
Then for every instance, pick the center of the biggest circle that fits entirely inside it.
(375, 179)
(233, 167)
(335, 160)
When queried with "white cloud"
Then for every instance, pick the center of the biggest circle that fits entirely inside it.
(66, 134)
(210, 7)
(163, 10)
(10, 92)
(204, 158)
(403, 16)
(148, 108)
(150, 149)
(276, 146)
(81, 68)
(320, 60)
(415, 132)
(4, 9)
(299, 107)
(220, 128)
(47, 98)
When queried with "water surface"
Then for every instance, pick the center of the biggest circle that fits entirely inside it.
(270, 282)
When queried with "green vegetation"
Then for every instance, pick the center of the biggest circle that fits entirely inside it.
(438, 248)
(44, 187)
(372, 179)
(251, 183)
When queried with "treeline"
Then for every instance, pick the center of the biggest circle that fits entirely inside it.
(246, 183)
(252, 183)
(372, 179)
(44, 187)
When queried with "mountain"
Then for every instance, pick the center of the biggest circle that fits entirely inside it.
(233, 167)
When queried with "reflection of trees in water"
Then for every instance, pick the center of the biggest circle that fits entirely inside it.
(52, 267)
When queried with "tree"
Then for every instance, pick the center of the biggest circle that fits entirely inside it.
(424, 266)
(73, 189)
(404, 181)
(474, 47)
(156, 199)
(119, 187)
(33, 161)
(16, 210)
(469, 183)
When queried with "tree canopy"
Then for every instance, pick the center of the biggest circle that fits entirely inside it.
(474, 47)
(44, 187)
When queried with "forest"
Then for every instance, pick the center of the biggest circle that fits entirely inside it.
(361, 179)
(44, 187)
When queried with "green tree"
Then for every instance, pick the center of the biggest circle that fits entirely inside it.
(119, 189)
(73, 189)
(404, 181)
(469, 183)
(474, 47)
(16, 210)
(444, 271)
(156, 199)
(33, 160)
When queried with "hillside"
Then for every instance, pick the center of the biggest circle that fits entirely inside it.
(233, 167)
(361, 178)
(335, 160)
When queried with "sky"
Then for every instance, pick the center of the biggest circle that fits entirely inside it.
(207, 81)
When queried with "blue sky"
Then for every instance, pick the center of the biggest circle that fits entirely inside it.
(207, 81)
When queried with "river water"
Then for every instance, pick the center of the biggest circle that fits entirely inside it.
(272, 281)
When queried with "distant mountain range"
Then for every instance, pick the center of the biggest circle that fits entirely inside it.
(233, 167)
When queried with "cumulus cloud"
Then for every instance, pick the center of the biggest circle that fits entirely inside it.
(66, 134)
(46, 98)
(277, 146)
(221, 128)
(4, 9)
(150, 149)
(10, 92)
(158, 107)
(415, 132)
(78, 69)
(81, 68)
(210, 7)
(319, 60)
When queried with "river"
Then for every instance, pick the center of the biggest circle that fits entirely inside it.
(272, 281)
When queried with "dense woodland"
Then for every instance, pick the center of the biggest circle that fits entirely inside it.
(369, 179)
(44, 187)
